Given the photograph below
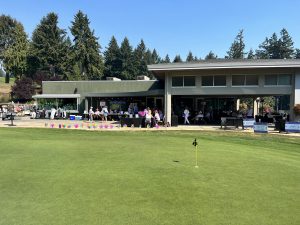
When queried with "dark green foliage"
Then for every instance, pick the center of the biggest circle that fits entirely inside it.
(177, 59)
(86, 49)
(211, 55)
(166, 59)
(237, 48)
(190, 57)
(251, 54)
(155, 57)
(15, 56)
(49, 47)
(277, 48)
(297, 53)
(23, 89)
(287, 45)
(11, 37)
(140, 59)
(127, 60)
(7, 26)
(113, 63)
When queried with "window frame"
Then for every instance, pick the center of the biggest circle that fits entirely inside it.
(277, 80)
(183, 86)
(245, 80)
(213, 76)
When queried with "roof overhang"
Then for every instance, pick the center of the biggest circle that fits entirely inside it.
(57, 96)
(159, 69)
(127, 94)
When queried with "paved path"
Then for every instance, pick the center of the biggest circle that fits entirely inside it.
(26, 122)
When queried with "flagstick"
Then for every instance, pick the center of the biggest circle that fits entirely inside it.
(196, 156)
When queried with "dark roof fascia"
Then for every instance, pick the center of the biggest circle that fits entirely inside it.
(127, 94)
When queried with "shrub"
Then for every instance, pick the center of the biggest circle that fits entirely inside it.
(23, 89)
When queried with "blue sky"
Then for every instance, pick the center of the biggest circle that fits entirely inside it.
(170, 26)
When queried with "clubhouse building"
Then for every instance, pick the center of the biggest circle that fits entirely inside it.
(209, 86)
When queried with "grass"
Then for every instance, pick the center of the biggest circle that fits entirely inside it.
(5, 89)
(74, 177)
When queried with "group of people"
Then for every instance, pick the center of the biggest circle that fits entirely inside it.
(98, 114)
(152, 116)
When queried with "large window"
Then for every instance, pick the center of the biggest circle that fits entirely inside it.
(209, 81)
(278, 79)
(183, 81)
(244, 80)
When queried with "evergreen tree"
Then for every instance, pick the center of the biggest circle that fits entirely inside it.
(287, 45)
(297, 53)
(15, 56)
(264, 49)
(140, 60)
(237, 48)
(211, 55)
(148, 57)
(113, 63)
(251, 54)
(166, 59)
(7, 27)
(155, 57)
(126, 57)
(190, 57)
(49, 47)
(86, 48)
(276, 48)
(177, 59)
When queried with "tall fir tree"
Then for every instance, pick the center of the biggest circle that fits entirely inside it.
(140, 60)
(7, 38)
(190, 57)
(297, 53)
(276, 48)
(155, 57)
(113, 63)
(49, 47)
(287, 45)
(251, 54)
(86, 48)
(148, 57)
(211, 55)
(15, 56)
(236, 50)
(177, 59)
(166, 59)
(126, 57)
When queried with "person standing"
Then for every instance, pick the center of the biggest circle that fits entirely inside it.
(186, 114)
(91, 114)
(105, 113)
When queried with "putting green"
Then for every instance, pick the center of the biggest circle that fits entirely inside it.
(74, 177)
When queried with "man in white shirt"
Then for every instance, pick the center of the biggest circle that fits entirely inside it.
(186, 114)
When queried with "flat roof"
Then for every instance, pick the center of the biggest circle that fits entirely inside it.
(227, 64)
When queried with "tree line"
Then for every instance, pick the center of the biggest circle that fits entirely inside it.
(51, 54)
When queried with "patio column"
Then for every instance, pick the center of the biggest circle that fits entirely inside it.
(255, 108)
(86, 105)
(295, 95)
(168, 100)
(237, 104)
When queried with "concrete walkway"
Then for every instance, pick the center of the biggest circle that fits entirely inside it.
(26, 122)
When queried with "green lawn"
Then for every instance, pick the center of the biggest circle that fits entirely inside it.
(72, 177)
